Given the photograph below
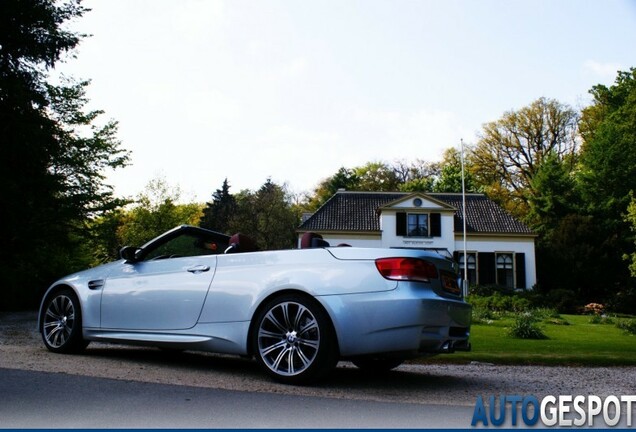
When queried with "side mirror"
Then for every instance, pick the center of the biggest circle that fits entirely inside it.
(129, 253)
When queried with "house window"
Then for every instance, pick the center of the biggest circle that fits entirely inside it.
(472, 267)
(417, 225)
(505, 271)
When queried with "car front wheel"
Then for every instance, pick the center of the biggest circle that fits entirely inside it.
(293, 340)
(61, 323)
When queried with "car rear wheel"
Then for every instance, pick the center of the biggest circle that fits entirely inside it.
(293, 340)
(377, 364)
(61, 323)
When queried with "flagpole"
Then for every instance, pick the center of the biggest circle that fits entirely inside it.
(465, 283)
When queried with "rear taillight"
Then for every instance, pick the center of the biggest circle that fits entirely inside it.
(406, 269)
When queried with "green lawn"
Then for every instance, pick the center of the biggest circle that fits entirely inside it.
(580, 343)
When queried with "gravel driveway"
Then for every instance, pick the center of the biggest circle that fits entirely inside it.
(22, 348)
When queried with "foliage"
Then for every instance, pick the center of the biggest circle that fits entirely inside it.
(155, 211)
(630, 218)
(414, 176)
(267, 216)
(482, 314)
(54, 152)
(450, 177)
(376, 176)
(554, 195)
(601, 319)
(628, 326)
(218, 214)
(593, 309)
(511, 150)
(525, 327)
(608, 178)
(344, 178)
(498, 302)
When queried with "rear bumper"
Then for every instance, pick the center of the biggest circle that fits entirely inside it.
(412, 320)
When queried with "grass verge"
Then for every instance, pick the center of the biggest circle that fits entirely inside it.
(580, 343)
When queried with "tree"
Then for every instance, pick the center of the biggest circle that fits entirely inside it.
(450, 177)
(377, 177)
(267, 216)
(155, 211)
(344, 178)
(608, 178)
(511, 150)
(630, 218)
(218, 214)
(54, 151)
(609, 148)
(555, 196)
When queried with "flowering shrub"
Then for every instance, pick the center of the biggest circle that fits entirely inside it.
(593, 309)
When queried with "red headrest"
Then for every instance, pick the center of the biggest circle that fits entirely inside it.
(241, 243)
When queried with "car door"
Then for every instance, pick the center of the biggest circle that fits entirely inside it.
(163, 291)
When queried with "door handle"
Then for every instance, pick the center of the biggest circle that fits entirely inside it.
(199, 269)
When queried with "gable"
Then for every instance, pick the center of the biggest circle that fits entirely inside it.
(416, 201)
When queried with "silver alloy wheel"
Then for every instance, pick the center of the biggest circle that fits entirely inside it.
(288, 338)
(59, 320)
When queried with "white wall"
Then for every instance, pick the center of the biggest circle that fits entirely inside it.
(504, 244)
(390, 240)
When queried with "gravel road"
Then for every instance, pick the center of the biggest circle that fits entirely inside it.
(22, 348)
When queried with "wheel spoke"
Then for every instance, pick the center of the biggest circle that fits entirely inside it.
(262, 333)
(309, 326)
(309, 343)
(276, 364)
(288, 338)
(285, 309)
(59, 321)
(303, 358)
(270, 316)
(272, 348)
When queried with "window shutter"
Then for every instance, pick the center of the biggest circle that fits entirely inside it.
(520, 266)
(487, 269)
(436, 225)
(400, 224)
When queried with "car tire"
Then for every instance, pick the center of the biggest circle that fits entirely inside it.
(293, 340)
(61, 322)
(377, 364)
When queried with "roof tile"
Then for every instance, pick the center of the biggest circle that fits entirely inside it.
(357, 211)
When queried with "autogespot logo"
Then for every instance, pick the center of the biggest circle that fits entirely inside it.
(564, 410)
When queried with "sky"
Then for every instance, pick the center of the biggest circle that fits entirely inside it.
(291, 90)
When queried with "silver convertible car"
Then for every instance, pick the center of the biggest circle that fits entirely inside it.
(297, 311)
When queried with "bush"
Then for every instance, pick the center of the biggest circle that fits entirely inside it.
(628, 326)
(565, 301)
(499, 302)
(525, 327)
(546, 313)
(601, 319)
(482, 315)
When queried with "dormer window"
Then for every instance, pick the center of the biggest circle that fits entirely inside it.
(417, 225)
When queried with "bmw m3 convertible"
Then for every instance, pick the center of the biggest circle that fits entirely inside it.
(297, 311)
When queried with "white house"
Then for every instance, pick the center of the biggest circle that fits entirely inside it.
(500, 249)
